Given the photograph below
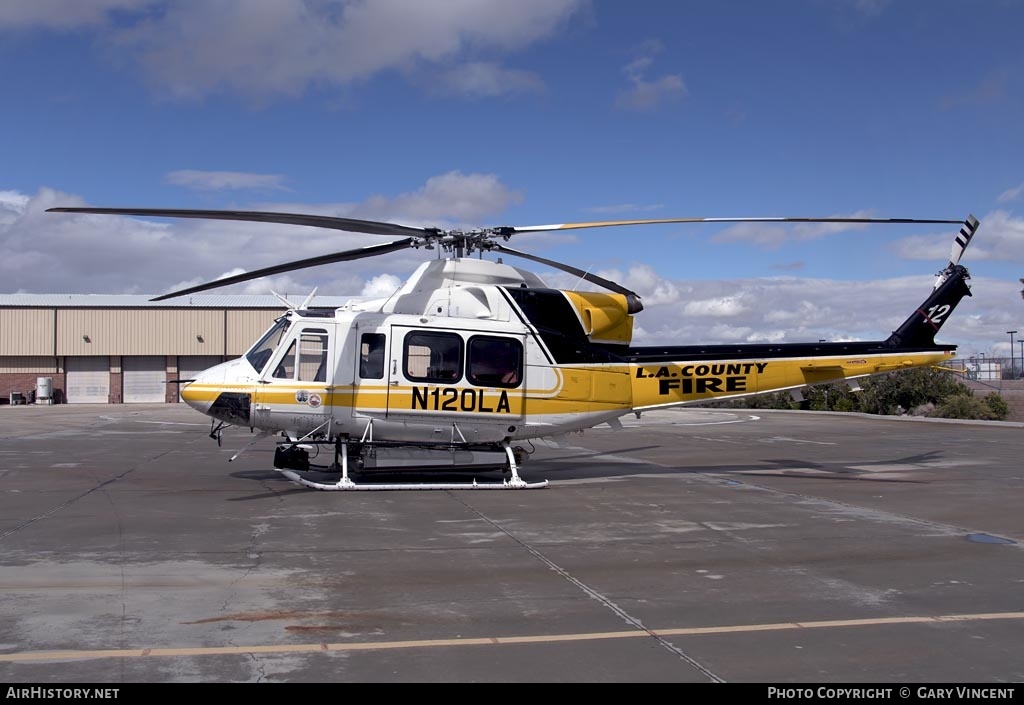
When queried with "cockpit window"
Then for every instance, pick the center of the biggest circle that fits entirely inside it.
(286, 368)
(260, 353)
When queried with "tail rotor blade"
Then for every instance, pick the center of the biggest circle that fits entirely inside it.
(963, 240)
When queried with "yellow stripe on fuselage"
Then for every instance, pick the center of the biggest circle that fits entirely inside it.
(673, 383)
(598, 388)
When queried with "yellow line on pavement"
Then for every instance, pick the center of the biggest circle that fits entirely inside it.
(192, 651)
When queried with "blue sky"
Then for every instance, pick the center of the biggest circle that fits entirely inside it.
(489, 112)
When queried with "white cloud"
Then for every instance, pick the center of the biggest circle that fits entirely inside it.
(451, 195)
(63, 14)
(1010, 194)
(12, 205)
(774, 235)
(72, 253)
(381, 286)
(13, 201)
(767, 336)
(269, 48)
(219, 180)
(721, 306)
(791, 309)
(647, 93)
(480, 79)
(69, 253)
(644, 280)
(1000, 236)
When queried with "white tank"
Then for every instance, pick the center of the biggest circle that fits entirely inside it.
(44, 390)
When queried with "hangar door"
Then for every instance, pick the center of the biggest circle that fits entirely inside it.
(145, 379)
(88, 380)
(191, 365)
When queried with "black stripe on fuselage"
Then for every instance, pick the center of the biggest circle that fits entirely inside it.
(755, 351)
(557, 324)
(526, 324)
(553, 317)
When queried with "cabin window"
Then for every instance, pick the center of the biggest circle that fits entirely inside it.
(260, 353)
(313, 355)
(286, 367)
(433, 357)
(495, 362)
(371, 355)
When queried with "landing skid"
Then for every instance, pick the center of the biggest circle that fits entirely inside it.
(300, 476)
(344, 484)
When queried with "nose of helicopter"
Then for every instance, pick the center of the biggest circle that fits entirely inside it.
(203, 390)
(194, 394)
(222, 392)
(190, 395)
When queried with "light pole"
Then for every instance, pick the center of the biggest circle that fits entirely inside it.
(1012, 333)
(1021, 344)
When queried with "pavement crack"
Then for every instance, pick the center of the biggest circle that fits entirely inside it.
(253, 553)
(594, 594)
(98, 487)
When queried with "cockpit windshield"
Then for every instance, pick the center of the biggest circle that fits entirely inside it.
(260, 353)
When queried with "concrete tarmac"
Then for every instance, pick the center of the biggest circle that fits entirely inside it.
(690, 546)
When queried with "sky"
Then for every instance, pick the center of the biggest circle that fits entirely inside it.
(470, 113)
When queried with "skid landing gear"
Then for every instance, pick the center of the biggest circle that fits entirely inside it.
(292, 461)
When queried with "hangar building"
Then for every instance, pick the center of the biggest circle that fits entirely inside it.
(114, 349)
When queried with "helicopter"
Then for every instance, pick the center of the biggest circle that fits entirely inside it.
(471, 358)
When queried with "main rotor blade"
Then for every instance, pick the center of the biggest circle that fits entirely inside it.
(613, 223)
(592, 278)
(360, 253)
(371, 227)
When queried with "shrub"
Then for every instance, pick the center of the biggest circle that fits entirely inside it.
(963, 406)
(997, 406)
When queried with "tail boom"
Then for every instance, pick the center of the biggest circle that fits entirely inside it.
(682, 382)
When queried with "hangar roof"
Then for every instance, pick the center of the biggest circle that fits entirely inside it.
(143, 301)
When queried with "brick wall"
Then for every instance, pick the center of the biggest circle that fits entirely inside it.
(114, 397)
(25, 382)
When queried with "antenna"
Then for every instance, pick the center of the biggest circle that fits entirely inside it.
(309, 298)
(582, 278)
(287, 304)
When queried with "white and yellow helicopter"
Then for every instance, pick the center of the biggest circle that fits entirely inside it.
(471, 357)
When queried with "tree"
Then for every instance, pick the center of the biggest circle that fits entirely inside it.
(909, 389)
